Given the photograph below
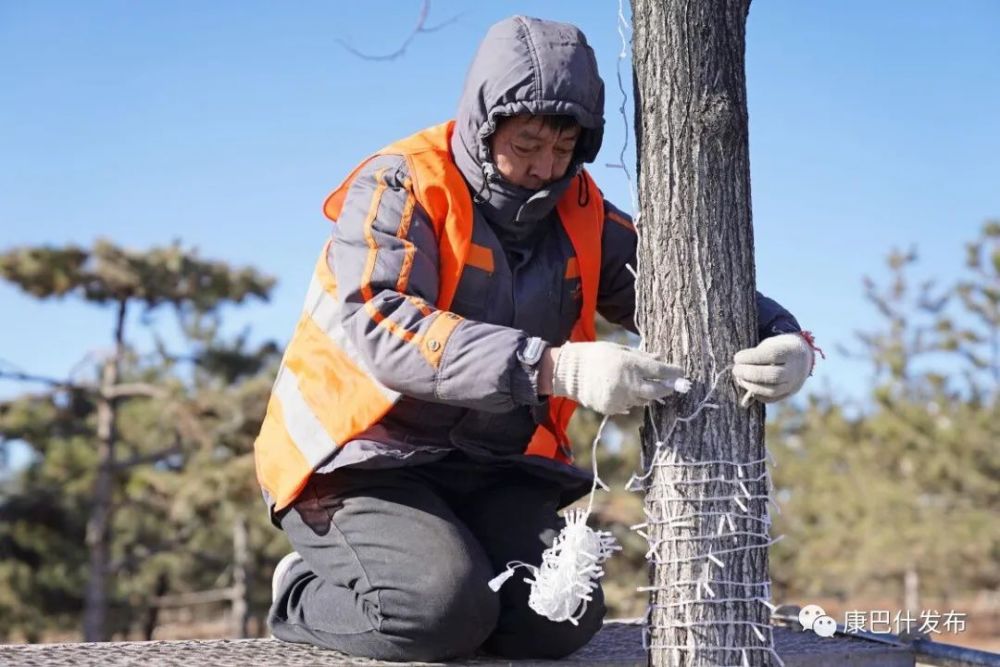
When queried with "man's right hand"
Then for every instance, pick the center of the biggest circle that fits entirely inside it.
(610, 378)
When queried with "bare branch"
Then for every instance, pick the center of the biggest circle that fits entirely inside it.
(123, 390)
(193, 598)
(18, 375)
(443, 24)
(153, 457)
(135, 389)
(419, 28)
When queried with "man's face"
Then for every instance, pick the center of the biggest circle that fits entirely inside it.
(530, 154)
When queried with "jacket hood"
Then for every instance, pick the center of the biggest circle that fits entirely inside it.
(526, 66)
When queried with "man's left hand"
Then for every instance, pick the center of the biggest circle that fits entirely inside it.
(775, 369)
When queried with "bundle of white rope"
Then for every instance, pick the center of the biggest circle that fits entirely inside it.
(564, 583)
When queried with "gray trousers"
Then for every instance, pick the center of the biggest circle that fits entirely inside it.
(396, 564)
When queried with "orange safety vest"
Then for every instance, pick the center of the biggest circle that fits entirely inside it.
(324, 395)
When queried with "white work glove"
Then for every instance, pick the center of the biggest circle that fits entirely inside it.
(775, 369)
(611, 378)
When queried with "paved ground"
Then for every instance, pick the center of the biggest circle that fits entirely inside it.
(617, 645)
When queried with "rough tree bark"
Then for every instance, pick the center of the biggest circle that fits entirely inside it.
(697, 306)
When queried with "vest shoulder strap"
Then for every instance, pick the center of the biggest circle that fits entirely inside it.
(582, 216)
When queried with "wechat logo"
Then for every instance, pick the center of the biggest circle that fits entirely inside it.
(812, 617)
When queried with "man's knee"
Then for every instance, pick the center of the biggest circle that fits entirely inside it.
(449, 612)
(522, 633)
(426, 618)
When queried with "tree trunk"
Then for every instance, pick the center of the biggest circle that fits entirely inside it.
(911, 589)
(696, 295)
(153, 612)
(240, 611)
(95, 610)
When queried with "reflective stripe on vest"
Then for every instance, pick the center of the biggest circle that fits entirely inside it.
(325, 395)
(300, 429)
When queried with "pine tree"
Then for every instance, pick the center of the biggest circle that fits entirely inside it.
(897, 496)
(132, 413)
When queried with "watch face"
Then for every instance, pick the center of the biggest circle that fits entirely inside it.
(532, 351)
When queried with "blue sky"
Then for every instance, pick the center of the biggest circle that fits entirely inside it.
(225, 124)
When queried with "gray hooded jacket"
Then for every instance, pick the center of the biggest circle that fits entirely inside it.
(480, 398)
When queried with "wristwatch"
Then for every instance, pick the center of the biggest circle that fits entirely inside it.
(530, 353)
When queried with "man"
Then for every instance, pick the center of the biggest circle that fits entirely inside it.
(415, 439)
